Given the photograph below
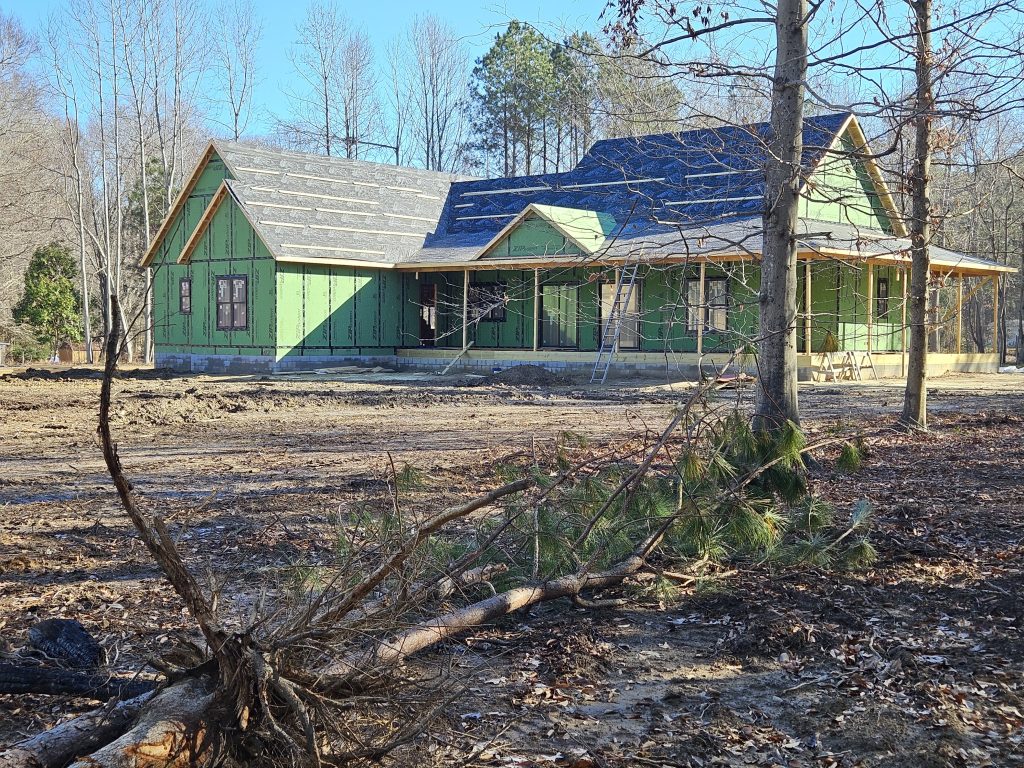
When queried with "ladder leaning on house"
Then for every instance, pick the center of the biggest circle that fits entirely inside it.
(618, 312)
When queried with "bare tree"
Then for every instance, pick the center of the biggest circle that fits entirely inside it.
(358, 92)
(438, 81)
(334, 113)
(398, 100)
(239, 30)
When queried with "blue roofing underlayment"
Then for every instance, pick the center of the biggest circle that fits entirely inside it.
(648, 184)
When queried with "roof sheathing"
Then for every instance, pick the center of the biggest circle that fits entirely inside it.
(312, 209)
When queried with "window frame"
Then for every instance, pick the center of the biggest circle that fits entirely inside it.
(704, 320)
(496, 313)
(231, 326)
(182, 282)
(882, 302)
(634, 317)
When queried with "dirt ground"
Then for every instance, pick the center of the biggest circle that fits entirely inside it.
(918, 661)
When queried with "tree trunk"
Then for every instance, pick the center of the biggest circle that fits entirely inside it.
(359, 668)
(777, 378)
(61, 744)
(173, 730)
(1020, 302)
(21, 679)
(915, 403)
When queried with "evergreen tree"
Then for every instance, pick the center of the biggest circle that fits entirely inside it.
(511, 93)
(50, 304)
(575, 65)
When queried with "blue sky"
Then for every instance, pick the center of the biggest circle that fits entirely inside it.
(476, 23)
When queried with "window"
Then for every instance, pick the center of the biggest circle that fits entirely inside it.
(232, 303)
(882, 299)
(486, 302)
(185, 296)
(559, 306)
(629, 328)
(715, 310)
(716, 295)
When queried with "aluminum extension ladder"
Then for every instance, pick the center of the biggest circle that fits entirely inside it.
(613, 325)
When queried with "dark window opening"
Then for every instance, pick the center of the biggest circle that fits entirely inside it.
(428, 314)
(232, 303)
(185, 296)
(486, 302)
(882, 299)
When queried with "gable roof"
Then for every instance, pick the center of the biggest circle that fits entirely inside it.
(585, 229)
(311, 208)
(646, 184)
(696, 195)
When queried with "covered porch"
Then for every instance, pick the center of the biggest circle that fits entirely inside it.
(697, 314)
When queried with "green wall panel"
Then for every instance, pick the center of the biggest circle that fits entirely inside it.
(229, 246)
(330, 311)
(842, 190)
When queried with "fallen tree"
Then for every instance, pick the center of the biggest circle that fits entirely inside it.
(281, 685)
(25, 678)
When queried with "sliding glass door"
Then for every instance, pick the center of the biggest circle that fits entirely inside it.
(559, 308)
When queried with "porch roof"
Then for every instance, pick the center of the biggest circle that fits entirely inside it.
(733, 240)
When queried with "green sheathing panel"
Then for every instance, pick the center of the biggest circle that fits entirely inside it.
(843, 191)
(533, 236)
(325, 311)
(229, 246)
(839, 307)
(663, 305)
(173, 331)
(661, 308)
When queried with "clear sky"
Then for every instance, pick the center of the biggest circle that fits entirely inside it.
(382, 20)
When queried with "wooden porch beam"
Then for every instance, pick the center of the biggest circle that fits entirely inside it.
(871, 301)
(995, 314)
(959, 313)
(903, 323)
(702, 311)
(465, 309)
(536, 309)
(807, 306)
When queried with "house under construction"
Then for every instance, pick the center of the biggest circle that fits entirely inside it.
(645, 255)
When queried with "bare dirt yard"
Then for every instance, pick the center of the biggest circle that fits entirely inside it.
(917, 661)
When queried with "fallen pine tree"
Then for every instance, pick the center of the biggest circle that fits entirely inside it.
(280, 687)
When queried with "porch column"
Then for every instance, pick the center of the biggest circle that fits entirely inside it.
(995, 313)
(465, 309)
(807, 306)
(871, 301)
(703, 310)
(903, 325)
(536, 309)
(959, 311)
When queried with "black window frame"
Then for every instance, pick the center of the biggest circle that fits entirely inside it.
(486, 295)
(232, 326)
(182, 297)
(882, 302)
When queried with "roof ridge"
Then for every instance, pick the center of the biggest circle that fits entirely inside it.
(247, 147)
(724, 127)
